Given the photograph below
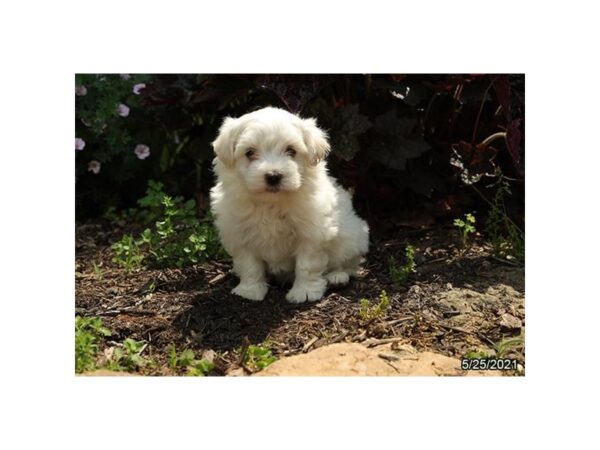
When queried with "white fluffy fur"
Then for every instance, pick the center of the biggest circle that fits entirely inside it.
(305, 228)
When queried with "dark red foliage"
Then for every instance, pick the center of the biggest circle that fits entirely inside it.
(400, 141)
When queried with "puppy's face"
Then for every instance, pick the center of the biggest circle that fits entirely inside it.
(270, 150)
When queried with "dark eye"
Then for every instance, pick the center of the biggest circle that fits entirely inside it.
(290, 151)
(250, 153)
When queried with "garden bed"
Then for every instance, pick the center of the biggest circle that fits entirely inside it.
(459, 302)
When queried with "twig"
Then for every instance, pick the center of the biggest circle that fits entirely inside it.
(391, 365)
(493, 206)
(461, 330)
(491, 138)
(375, 342)
(84, 276)
(156, 328)
(388, 357)
(114, 312)
(505, 261)
(216, 279)
(142, 312)
(309, 344)
(431, 261)
(242, 362)
(339, 337)
(360, 337)
(485, 338)
(244, 352)
(397, 321)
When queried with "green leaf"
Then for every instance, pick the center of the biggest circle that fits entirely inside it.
(395, 141)
(200, 368)
(347, 125)
(186, 357)
(172, 357)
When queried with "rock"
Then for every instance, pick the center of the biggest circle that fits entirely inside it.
(345, 359)
(460, 320)
(209, 355)
(498, 298)
(510, 322)
(457, 301)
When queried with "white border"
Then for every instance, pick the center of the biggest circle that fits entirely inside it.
(45, 43)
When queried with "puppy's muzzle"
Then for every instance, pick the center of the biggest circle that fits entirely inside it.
(273, 179)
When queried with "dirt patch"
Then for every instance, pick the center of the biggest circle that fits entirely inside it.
(359, 360)
(458, 301)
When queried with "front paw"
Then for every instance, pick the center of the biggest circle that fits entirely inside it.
(312, 291)
(338, 278)
(254, 291)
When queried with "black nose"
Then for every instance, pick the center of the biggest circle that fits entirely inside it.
(273, 178)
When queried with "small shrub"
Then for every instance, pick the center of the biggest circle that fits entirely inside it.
(128, 253)
(506, 345)
(466, 227)
(187, 359)
(501, 348)
(200, 368)
(151, 205)
(89, 331)
(258, 357)
(128, 358)
(369, 313)
(474, 354)
(182, 360)
(178, 238)
(506, 238)
(98, 272)
(399, 275)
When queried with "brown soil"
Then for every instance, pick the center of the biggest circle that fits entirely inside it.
(459, 300)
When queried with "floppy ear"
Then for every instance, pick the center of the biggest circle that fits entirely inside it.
(316, 140)
(225, 143)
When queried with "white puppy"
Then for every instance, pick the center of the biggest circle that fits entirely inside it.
(278, 210)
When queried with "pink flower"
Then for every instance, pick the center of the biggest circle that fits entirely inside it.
(79, 144)
(138, 87)
(142, 151)
(123, 110)
(80, 90)
(94, 166)
(125, 76)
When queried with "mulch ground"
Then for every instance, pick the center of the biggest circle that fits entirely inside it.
(193, 307)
